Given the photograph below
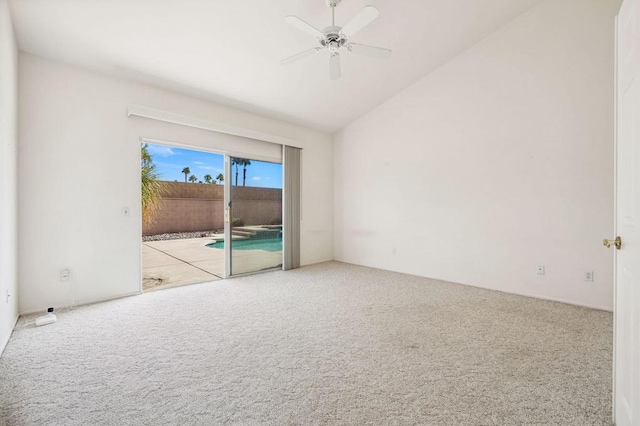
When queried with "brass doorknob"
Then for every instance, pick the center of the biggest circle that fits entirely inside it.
(617, 242)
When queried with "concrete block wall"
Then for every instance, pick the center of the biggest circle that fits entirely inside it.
(189, 207)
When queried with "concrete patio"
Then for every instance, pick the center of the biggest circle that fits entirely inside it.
(174, 263)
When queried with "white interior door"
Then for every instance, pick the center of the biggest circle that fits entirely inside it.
(627, 301)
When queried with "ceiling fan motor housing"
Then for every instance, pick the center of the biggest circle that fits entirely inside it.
(333, 3)
(333, 38)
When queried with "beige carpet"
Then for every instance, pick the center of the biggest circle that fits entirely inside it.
(326, 344)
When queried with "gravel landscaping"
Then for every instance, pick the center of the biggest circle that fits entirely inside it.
(182, 235)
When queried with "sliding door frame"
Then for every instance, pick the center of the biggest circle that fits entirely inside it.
(228, 207)
(227, 217)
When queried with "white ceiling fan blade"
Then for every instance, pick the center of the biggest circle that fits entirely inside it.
(304, 26)
(301, 55)
(363, 49)
(334, 66)
(361, 20)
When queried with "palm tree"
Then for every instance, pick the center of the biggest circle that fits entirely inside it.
(152, 187)
(245, 163)
(193, 179)
(186, 172)
(207, 178)
(220, 178)
(236, 162)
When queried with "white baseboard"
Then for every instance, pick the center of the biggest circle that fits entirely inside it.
(82, 302)
(5, 341)
(551, 299)
(517, 293)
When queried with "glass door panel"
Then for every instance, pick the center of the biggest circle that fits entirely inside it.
(254, 216)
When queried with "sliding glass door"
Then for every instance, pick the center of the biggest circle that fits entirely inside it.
(253, 215)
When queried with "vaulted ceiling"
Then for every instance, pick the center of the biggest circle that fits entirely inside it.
(228, 51)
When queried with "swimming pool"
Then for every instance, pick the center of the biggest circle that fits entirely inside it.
(267, 244)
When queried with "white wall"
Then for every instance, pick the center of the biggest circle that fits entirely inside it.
(8, 176)
(79, 166)
(497, 162)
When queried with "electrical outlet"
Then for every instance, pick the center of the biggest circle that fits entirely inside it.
(588, 276)
(64, 275)
(540, 270)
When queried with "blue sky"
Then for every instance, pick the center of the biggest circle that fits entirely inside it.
(170, 161)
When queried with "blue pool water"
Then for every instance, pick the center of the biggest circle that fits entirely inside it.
(268, 244)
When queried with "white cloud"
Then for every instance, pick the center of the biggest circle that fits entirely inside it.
(256, 178)
(211, 169)
(199, 163)
(160, 151)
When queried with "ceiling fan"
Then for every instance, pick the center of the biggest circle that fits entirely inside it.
(334, 38)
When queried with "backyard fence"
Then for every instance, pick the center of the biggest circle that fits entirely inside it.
(189, 207)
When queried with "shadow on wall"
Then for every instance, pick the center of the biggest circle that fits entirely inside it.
(188, 207)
